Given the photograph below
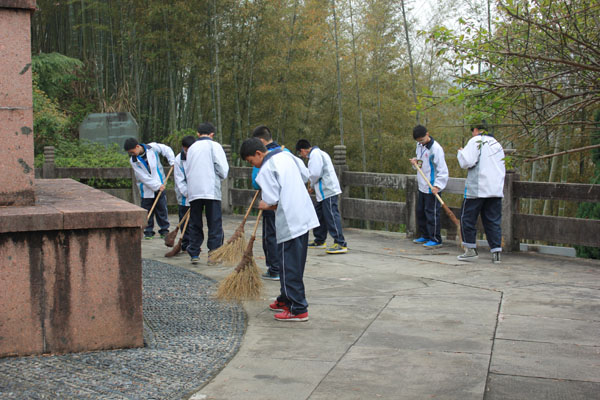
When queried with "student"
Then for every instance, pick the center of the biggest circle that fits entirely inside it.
(181, 192)
(326, 186)
(205, 167)
(483, 157)
(269, 237)
(282, 177)
(150, 178)
(430, 158)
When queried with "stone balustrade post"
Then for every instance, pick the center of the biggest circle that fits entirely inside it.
(510, 208)
(412, 188)
(340, 165)
(226, 184)
(48, 168)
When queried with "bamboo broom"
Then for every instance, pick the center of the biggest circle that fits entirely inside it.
(177, 248)
(160, 192)
(447, 210)
(170, 238)
(232, 251)
(243, 283)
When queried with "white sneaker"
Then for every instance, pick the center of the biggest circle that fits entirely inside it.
(496, 259)
(470, 254)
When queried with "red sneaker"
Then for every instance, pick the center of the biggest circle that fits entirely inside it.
(288, 316)
(278, 306)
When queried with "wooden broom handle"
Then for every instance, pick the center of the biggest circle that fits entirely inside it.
(187, 217)
(251, 204)
(187, 214)
(159, 194)
(430, 185)
(257, 220)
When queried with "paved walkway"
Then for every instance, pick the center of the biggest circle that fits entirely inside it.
(392, 320)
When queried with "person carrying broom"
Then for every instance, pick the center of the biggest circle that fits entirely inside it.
(269, 236)
(181, 190)
(151, 181)
(205, 167)
(483, 157)
(282, 177)
(430, 158)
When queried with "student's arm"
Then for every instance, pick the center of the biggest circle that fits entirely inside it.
(165, 151)
(441, 169)
(468, 157)
(315, 168)
(180, 180)
(302, 168)
(220, 161)
(269, 185)
(143, 176)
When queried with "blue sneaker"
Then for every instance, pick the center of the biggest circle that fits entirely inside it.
(195, 259)
(420, 240)
(432, 245)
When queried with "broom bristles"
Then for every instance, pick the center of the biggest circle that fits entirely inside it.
(243, 283)
(174, 250)
(231, 252)
(170, 238)
(455, 221)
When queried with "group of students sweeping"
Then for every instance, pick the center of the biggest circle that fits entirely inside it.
(287, 210)
(288, 213)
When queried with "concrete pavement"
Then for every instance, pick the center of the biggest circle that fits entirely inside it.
(393, 320)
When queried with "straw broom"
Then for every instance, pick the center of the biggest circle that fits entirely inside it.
(447, 210)
(170, 238)
(177, 248)
(243, 283)
(232, 251)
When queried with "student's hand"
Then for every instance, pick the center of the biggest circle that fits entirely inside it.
(435, 190)
(413, 161)
(161, 188)
(264, 206)
(310, 190)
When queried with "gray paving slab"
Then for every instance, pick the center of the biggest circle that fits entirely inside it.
(508, 387)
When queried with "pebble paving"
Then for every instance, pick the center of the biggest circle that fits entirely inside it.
(189, 337)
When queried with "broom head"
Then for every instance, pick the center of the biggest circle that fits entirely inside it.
(455, 221)
(243, 283)
(231, 253)
(170, 238)
(175, 250)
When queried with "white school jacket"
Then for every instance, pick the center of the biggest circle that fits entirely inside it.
(322, 174)
(205, 167)
(282, 178)
(150, 176)
(433, 166)
(483, 156)
(181, 191)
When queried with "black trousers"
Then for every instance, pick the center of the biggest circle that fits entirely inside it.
(213, 221)
(161, 213)
(429, 216)
(291, 274)
(330, 219)
(269, 242)
(491, 216)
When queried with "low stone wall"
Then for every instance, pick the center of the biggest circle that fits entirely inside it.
(70, 272)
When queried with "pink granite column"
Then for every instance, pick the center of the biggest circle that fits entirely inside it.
(16, 104)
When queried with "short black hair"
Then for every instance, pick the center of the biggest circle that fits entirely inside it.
(262, 132)
(482, 126)
(303, 144)
(206, 128)
(187, 141)
(130, 144)
(250, 146)
(419, 131)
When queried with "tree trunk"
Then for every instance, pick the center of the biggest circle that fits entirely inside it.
(339, 79)
(410, 61)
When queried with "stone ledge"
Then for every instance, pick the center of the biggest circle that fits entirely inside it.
(67, 204)
(25, 4)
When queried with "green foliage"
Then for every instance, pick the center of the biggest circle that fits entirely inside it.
(49, 123)
(89, 155)
(173, 140)
(55, 73)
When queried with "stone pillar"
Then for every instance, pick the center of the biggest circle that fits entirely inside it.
(226, 184)
(510, 208)
(16, 104)
(412, 188)
(48, 171)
